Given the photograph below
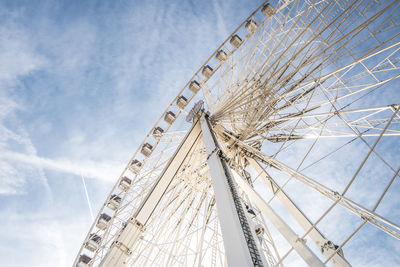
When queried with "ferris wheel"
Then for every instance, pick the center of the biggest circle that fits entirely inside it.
(282, 149)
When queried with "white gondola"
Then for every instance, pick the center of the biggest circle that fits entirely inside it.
(136, 165)
(194, 87)
(157, 133)
(103, 221)
(83, 261)
(251, 26)
(147, 149)
(93, 243)
(114, 202)
(207, 71)
(125, 183)
(235, 41)
(268, 10)
(181, 102)
(221, 56)
(169, 117)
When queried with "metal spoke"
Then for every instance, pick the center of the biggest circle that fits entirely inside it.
(303, 83)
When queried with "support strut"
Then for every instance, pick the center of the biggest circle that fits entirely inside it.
(240, 246)
(319, 239)
(120, 250)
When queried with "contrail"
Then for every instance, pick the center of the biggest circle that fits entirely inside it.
(87, 197)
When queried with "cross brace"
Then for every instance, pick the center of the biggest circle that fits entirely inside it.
(300, 217)
(129, 235)
(240, 246)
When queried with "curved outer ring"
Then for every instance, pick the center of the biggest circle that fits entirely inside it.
(177, 115)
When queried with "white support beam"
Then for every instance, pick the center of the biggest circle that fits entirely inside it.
(294, 240)
(120, 250)
(382, 223)
(298, 215)
(373, 110)
(372, 217)
(236, 248)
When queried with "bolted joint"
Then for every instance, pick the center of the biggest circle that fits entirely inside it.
(329, 246)
(121, 246)
(301, 240)
(337, 195)
(134, 221)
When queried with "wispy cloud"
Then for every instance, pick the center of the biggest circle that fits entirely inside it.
(91, 169)
(80, 86)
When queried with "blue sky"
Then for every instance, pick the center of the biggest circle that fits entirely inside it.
(80, 84)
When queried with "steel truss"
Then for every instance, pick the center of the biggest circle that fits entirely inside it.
(295, 162)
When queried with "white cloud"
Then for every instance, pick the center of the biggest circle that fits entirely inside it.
(106, 84)
(90, 169)
(17, 56)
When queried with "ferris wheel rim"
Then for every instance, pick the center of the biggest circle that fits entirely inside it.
(173, 103)
(167, 110)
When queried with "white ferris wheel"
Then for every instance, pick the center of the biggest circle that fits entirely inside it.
(282, 149)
